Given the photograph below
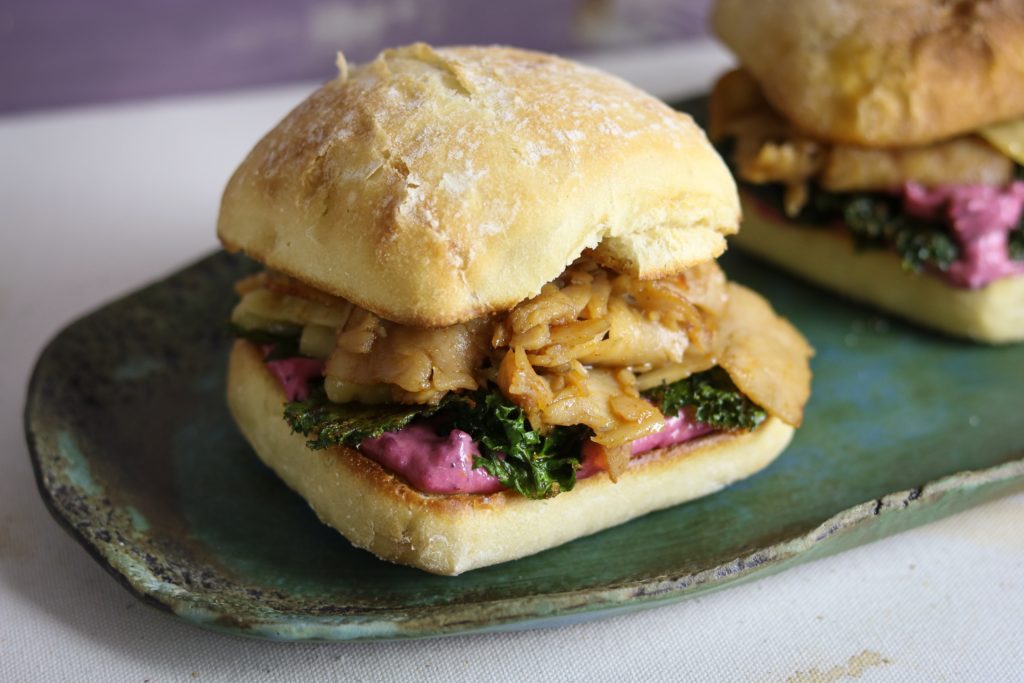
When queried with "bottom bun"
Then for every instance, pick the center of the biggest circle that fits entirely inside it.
(451, 534)
(993, 314)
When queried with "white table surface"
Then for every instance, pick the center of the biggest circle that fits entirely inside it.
(95, 202)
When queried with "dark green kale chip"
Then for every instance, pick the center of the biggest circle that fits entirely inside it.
(714, 399)
(328, 424)
(283, 343)
(878, 221)
(1016, 237)
(522, 459)
(533, 464)
(1016, 241)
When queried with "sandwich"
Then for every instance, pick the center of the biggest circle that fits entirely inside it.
(879, 149)
(490, 320)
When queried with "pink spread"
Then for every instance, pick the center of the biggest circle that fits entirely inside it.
(294, 374)
(431, 463)
(678, 429)
(444, 464)
(981, 217)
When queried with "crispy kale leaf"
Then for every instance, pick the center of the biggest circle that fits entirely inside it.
(283, 344)
(878, 221)
(534, 465)
(347, 424)
(328, 424)
(1016, 243)
(713, 397)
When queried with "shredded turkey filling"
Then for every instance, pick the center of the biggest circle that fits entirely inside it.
(568, 356)
(577, 353)
(768, 149)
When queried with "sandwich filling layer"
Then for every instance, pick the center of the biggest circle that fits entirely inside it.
(596, 368)
(953, 209)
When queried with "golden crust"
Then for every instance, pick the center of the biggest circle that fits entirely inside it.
(880, 74)
(993, 314)
(451, 534)
(432, 186)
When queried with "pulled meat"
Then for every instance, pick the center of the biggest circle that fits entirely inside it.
(769, 149)
(569, 356)
(967, 160)
(565, 356)
(600, 317)
(765, 356)
(420, 364)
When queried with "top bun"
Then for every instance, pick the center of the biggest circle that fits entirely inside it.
(882, 73)
(431, 186)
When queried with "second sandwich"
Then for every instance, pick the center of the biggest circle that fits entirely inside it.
(880, 147)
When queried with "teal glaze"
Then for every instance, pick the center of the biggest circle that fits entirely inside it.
(76, 466)
(137, 368)
(138, 520)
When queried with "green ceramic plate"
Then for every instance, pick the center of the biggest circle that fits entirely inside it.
(136, 456)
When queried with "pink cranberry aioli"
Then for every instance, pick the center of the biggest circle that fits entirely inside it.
(678, 429)
(444, 464)
(981, 217)
(294, 374)
(431, 463)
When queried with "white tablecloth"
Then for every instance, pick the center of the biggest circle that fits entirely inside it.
(95, 202)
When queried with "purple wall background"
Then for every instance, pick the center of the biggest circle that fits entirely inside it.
(64, 52)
